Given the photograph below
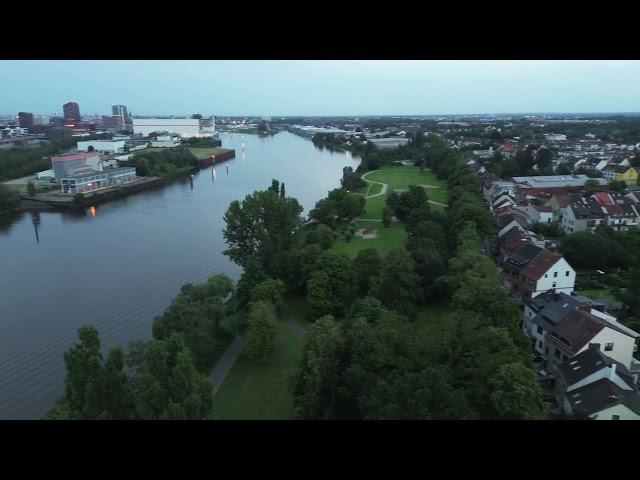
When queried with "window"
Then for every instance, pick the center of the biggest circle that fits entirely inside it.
(546, 350)
(546, 275)
(557, 353)
(539, 330)
(566, 273)
(554, 285)
(539, 344)
(615, 417)
(555, 274)
(608, 347)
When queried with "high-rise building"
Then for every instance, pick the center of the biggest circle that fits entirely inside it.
(25, 119)
(119, 112)
(71, 113)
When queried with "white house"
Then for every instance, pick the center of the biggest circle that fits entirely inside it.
(592, 385)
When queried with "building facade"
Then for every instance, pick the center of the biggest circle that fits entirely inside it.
(92, 180)
(71, 112)
(25, 119)
(184, 127)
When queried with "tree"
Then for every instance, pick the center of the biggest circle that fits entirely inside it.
(617, 185)
(93, 390)
(396, 286)
(262, 331)
(544, 162)
(563, 169)
(166, 384)
(264, 226)
(282, 192)
(270, 291)
(515, 393)
(31, 188)
(386, 216)
(331, 288)
(367, 265)
(9, 200)
(315, 383)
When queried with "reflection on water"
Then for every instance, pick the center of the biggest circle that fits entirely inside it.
(119, 269)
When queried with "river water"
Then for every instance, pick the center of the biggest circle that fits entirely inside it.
(119, 264)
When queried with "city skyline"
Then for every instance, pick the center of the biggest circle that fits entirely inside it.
(323, 88)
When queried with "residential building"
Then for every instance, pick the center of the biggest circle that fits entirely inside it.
(592, 385)
(562, 325)
(88, 180)
(620, 173)
(532, 270)
(558, 204)
(621, 213)
(583, 214)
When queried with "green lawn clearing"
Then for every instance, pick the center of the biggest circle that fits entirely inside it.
(604, 294)
(401, 178)
(388, 237)
(256, 390)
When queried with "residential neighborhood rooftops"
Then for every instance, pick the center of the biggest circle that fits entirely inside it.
(576, 329)
(600, 395)
(587, 363)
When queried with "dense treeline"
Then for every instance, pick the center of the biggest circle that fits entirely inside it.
(20, 162)
(9, 200)
(380, 358)
(201, 142)
(163, 162)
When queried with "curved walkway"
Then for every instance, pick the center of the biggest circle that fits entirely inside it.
(381, 192)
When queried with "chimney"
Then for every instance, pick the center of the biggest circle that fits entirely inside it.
(612, 371)
(585, 307)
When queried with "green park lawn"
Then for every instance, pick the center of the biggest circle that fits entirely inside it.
(202, 153)
(256, 390)
(388, 237)
(401, 178)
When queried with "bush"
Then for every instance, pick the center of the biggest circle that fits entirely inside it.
(31, 188)
(613, 280)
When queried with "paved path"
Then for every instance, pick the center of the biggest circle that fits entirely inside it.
(438, 203)
(369, 219)
(381, 192)
(226, 362)
(294, 325)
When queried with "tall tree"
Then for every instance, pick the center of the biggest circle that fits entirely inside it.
(396, 286)
(316, 381)
(260, 337)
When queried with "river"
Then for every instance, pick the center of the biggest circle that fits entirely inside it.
(120, 264)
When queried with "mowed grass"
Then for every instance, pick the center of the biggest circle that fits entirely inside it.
(604, 294)
(200, 153)
(388, 237)
(401, 178)
(256, 390)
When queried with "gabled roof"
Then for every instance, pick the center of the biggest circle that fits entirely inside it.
(600, 395)
(577, 329)
(562, 200)
(589, 362)
(524, 255)
(541, 264)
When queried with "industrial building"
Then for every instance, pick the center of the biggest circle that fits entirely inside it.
(102, 145)
(185, 127)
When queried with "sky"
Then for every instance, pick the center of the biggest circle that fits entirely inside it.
(319, 87)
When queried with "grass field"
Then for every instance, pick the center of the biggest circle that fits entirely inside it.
(604, 294)
(200, 153)
(256, 390)
(393, 236)
(296, 306)
(401, 178)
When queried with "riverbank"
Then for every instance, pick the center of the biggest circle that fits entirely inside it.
(54, 199)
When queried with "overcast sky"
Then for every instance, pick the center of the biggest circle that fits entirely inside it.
(321, 87)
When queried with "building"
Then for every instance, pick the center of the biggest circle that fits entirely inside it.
(102, 146)
(533, 270)
(582, 214)
(71, 113)
(65, 165)
(620, 173)
(385, 143)
(184, 127)
(121, 116)
(88, 180)
(40, 120)
(25, 119)
(554, 181)
(592, 385)
(559, 204)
